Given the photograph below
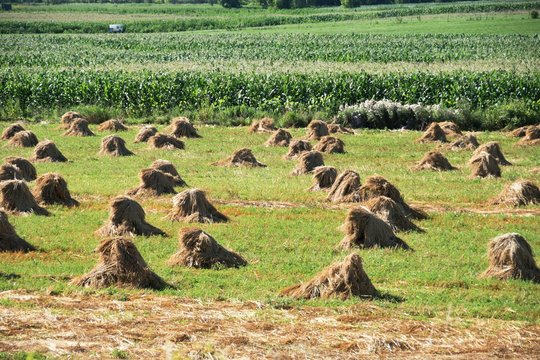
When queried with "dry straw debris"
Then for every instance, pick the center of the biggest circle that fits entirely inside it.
(68, 118)
(120, 264)
(23, 139)
(168, 168)
(296, 148)
(167, 142)
(28, 171)
(127, 217)
(199, 249)
(484, 165)
(338, 128)
(280, 137)
(532, 136)
(450, 128)
(112, 125)
(520, 132)
(46, 151)
(113, 145)
(364, 229)
(242, 157)
(519, 193)
(378, 186)
(263, 125)
(307, 162)
(154, 183)
(465, 142)
(316, 129)
(434, 132)
(182, 127)
(52, 189)
(434, 160)
(494, 149)
(391, 212)
(511, 257)
(145, 133)
(192, 206)
(345, 187)
(341, 280)
(323, 178)
(9, 240)
(330, 145)
(15, 197)
(79, 127)
(11, 130)
(10, 172)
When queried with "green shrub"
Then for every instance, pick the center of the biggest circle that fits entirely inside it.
(231, 4)
(511, 115)
(95, 114)
(534, 14)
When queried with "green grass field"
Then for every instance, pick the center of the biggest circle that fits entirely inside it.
(288, 244)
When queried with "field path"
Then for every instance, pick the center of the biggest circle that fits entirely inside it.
(147, 326)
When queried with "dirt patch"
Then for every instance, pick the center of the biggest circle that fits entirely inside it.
(162, 327)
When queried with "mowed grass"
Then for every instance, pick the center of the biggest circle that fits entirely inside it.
(286, 245)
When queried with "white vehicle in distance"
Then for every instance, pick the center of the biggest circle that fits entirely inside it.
(116, 28)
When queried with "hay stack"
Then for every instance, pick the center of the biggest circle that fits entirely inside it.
(391, 212)
(154, 183)
(341, 280)
(364, 229)
(378, 186)
(484, 165)
(520, 132)
(127, 217)
(519, 193)
(11, 130)
(46, 151)
(182, 127)
(307, 162)
(338, 128)
(168, 168)
(23, 139)
(114, 146)
(28, 171)
(10, 172)
(345, 187)
(9, 240)
(532, 136)
(494, 149)
(120, 264)
(263, 125)
(192, 206)
(535, 170)
(112, 125)
(511, 257)
(68, 118)
(52, 189)
(465, 142)
(330, 145)
(79, 127)
(323, 178)
(200, 250)
(242, 157)
(15, 197)
(450, 128)
(434, 160)
(433, 133)
(280, 137)
(297, 147)
(145, 133)
(167, 142)
(316, 129)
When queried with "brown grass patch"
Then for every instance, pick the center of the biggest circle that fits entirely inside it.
(127, 217)
(52, 189)
(511, 257)
(15, 197)
(280, 137)
(199, 249)
(343, 280)
(9, 240)
(120, 264)
(193, 206)
(23, 139)
(46, 151)
(242, 157)
(519, 193)
(323, 178)
(113, 145)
